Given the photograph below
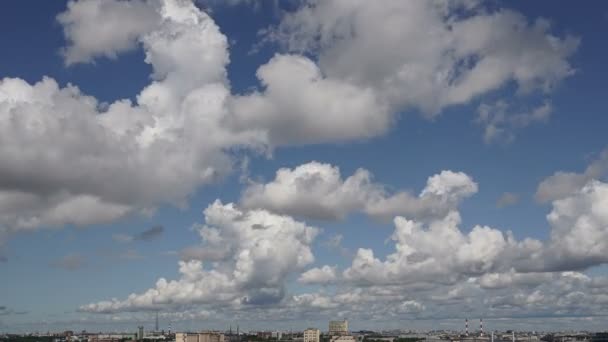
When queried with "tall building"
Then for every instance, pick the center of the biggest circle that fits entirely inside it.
(311, 335)
(338, 327)
(140, 333)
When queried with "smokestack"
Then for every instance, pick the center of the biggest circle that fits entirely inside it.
(156, 323)
(513, 335)
(466, 327)
(492, 336)
(481, 327)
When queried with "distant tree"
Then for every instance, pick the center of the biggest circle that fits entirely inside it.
(548, 338)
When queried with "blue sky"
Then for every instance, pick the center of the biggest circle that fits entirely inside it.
(77, 191)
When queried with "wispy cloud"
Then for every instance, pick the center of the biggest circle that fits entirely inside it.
(70, 262)
(6, 311)
(147, 235)
(507, 199)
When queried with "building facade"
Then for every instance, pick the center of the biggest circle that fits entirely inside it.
(199, 337)
(338, 327)
(312, 335)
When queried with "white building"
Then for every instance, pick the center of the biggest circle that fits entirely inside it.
(338, 327)
(199, 337)
(312, 335)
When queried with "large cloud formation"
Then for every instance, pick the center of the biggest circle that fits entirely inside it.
(437, 270)
(67, 159)
(317, 190)
(438, 249)
(250, 253)
(468, 50)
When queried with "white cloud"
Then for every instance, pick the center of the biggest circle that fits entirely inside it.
(300, 105)
(437, 252)
(579, 235)
(67, 161)
(256, 252)
(105, 28)
(323, 275)
(562, 184)
(500, 122)
(436, 270)
(317, 190)
(468, 49)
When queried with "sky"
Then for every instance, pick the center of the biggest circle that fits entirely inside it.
(277, 164)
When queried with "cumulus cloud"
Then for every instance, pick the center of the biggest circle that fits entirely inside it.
(325, 110)
(255, 252)
(437, 250)
(67, 160)
(562, 184)
(323, 275)
(105, 28)
(512, 278)
(469, 50)
(548, 295)
(484, 271)
(437, 268)
(318, 190)
(579, 235)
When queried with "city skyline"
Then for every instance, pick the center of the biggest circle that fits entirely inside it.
(282, 164)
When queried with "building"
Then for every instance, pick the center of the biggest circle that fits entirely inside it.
(343, 338)
(338, 328)
(109, 337)
(265, 335)
(199, 337)
(600, 337)
(312, 335)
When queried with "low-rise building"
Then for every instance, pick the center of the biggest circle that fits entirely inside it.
(199, 337)
(312, 335)
(343, 338)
